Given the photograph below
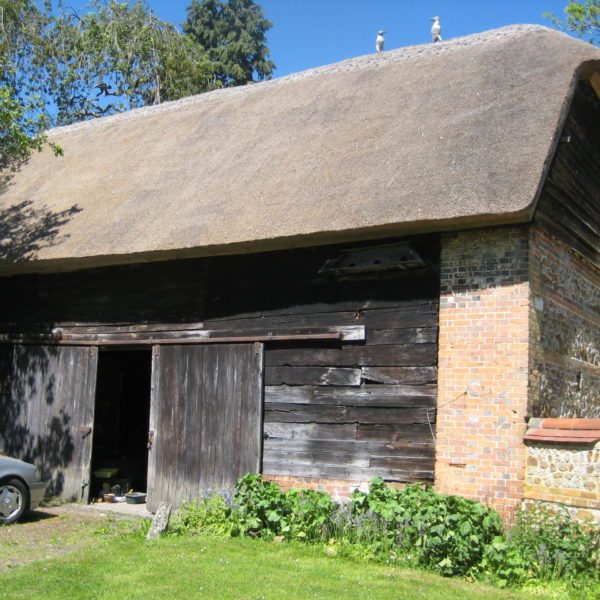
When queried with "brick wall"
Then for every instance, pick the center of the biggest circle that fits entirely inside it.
(338, 489)
(483, 366)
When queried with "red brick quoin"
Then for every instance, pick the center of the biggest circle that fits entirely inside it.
(483, 366)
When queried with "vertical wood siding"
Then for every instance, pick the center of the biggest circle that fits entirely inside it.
(207, 419)
(47, 417)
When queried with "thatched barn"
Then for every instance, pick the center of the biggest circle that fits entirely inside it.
(382, 267)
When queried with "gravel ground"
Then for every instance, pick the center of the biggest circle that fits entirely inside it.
(51, 531)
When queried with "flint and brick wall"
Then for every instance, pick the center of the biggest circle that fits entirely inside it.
(483, 366)
(565, 374)
(566, 476)
(565, 331)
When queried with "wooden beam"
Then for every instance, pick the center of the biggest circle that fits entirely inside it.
(199, 336)
(73, 327)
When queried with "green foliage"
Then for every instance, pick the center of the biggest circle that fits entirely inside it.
(257, 509)
(448, 534)
(19, 135)
(211, 514)
(545, 545)
(58, 66)
(22, 125)
(581, 17)
(115, 57)
(411, 526)
(263, 510)
(233, 34)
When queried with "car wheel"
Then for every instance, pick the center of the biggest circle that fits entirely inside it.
(14, 500)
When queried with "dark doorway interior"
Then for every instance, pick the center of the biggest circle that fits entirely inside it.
(121, 420)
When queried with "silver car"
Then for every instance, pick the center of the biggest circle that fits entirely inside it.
(21, 489)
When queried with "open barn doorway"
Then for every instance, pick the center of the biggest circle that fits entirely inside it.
(119, 450)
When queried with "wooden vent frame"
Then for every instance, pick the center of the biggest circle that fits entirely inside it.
(399, 256)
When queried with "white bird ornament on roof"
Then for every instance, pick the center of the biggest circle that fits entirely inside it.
(379, 41)
(436, 30)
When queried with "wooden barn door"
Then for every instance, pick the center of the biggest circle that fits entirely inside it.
(205, 419)
(47, 416)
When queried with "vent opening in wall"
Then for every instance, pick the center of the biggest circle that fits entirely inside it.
(374, 259)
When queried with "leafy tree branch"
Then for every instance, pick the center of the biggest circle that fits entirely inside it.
(582, 17)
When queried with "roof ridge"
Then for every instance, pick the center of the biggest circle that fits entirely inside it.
(349, 64)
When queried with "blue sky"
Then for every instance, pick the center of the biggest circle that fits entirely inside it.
(311, 33)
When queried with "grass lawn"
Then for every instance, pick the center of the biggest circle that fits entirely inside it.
(116, 566)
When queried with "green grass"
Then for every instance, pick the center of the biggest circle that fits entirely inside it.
(242, 569)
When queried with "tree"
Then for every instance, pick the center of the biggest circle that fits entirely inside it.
(22, 124)
(116, 57)
(57, 67)
(582, 18)
(233, 34)
(19, 134)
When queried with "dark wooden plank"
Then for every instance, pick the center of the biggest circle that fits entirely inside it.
(367, 395)
(352, 333)
(337, 297)
(418, 335)
(412, 463)
(306, 413)
(355, 355)
(563, 210)
(417, 432)
(311, 431)
(320, 460)
(197, 338)
(569, 205)
(287, 321)
(562, 187)
(395, 375)
(346, 473)
(323, 376)
(425, 315)
(351, 447)
(96, 328)
(564, 233)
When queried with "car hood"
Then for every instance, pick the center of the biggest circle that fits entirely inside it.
(13, 466)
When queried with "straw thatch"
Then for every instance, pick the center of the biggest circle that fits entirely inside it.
(424, 138)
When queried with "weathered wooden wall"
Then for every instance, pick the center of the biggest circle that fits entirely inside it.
(46, 412)
(335, 409)
(206, 419)
(569, 205)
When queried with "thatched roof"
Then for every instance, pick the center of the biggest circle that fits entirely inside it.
(424, 138)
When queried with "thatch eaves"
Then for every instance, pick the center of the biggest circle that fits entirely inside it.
(424, 138)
